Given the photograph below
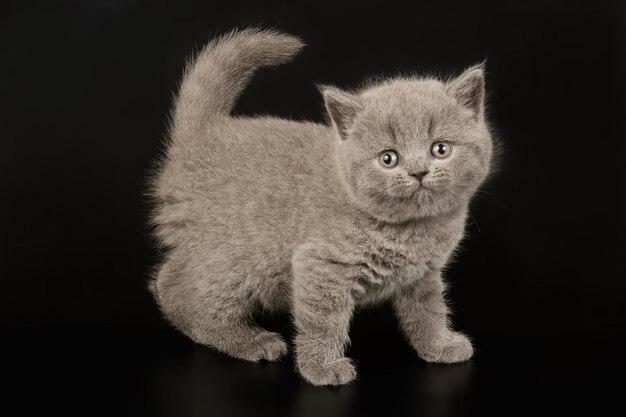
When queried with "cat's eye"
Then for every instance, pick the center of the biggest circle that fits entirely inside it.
(388, 159)
(441, 149)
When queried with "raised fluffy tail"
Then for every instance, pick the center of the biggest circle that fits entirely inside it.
(216, 77)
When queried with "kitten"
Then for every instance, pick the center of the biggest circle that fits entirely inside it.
(311, 218)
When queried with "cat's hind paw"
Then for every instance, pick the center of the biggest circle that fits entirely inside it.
(338, 372)
(456, 347)
(265, 345)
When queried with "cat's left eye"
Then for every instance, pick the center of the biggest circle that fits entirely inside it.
(388, 159)
(441, 149)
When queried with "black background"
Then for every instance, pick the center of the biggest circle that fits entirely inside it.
(85, 91)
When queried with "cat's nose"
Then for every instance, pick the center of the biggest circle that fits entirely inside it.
(420, 175)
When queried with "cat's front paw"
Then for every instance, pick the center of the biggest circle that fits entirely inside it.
(338, 372)
(454, 347)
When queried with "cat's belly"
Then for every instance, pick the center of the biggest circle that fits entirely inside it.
(274, 293)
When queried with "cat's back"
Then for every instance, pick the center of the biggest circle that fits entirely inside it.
(271, 146)
(246, 176)
(252, 153)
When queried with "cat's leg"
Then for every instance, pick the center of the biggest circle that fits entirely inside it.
(215, 311)
(323, 306)
(423, 316)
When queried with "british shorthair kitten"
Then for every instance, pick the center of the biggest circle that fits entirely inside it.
(311, 218)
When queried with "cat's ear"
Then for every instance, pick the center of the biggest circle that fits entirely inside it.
(469, 89)
(342, 108)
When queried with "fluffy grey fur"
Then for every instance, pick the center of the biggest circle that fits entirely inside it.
(278, 214)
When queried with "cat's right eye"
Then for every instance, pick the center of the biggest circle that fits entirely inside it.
(441, 150)
(388, 159)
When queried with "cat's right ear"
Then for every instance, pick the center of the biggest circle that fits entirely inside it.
(342, 108)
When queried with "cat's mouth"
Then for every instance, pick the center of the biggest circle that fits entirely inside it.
(420, 186)
(423, 189)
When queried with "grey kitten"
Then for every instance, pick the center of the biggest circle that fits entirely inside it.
(311, 218)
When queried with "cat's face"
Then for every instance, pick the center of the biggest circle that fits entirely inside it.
(412, 148)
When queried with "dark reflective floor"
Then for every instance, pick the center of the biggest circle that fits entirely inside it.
(158, 372)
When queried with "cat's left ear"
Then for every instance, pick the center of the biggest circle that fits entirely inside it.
(342, 108)
(469, 89)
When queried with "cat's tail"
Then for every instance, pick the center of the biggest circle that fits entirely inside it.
(216, 77)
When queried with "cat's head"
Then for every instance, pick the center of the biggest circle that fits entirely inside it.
(412, 147)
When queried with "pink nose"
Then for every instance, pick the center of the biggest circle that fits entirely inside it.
(420, 175)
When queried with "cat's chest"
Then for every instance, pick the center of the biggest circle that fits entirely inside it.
(398, 256)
